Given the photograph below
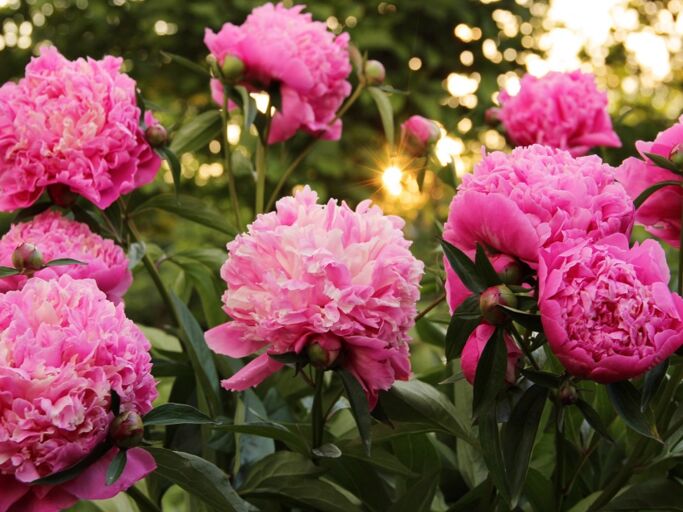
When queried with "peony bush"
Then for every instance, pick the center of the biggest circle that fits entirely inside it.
(286, 372)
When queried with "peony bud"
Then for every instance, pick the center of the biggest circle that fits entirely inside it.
(61, 195)
(321, 357)
(511, 273)
(567, 394)
(156, 135)
(375, 72)
(232, 69)
(492, 116)
(27, 258)
(127, 430)
(493, 297)
(676, 156)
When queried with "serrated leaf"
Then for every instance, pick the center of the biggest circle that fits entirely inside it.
(116, 467)
(197, 133)
(176, 414)
(645, 194)
(463, 267)
(593, 419)
(386, 112)
(626, 401)
(359, 407)
(489, 378)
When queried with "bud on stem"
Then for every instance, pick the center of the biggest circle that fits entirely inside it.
(127, 430)
(27, 259)
(491, 299)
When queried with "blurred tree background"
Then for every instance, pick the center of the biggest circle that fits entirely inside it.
(450, 57)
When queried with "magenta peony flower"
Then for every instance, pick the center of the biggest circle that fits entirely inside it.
(606, 309)
(661, 212)
(417, 133)
(284, 46)
(475, 346)
(311, 274)
(561, 110)
(75, 124)
(58, 237)
(517, 203)
(63, 349)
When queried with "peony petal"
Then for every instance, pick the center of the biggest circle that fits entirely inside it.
(252, 374)
(229, 339)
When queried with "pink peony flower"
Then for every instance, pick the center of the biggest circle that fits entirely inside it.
(561, 110)
(57, 237)
(661, 212)
(417, 133)
(475, 346)
(284, 46)
(63, 349)
(75, 124)
(606, 309)
(320, 274)
(517, 203)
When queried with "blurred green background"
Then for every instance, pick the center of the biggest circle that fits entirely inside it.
(449, 56)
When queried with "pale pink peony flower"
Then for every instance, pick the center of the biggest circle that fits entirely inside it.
(284, 47)
(320, 274)
(417, 133)
(75, 124)
(471, 353)
(63, 349)
(561, 110)
(607, 310)
(516, 203)
(661, 212)
(57, 237)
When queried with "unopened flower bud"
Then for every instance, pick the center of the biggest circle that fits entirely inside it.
(677, 156)
(491, 299)
(156, 135)
(511, 273)
(27, 258)
(320, 357)
(492, 116)
(61, 195)
(127, 430)
(567, 394)
(232, 68)
(375, 72)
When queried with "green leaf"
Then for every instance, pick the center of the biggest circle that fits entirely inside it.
(279, 464)
(203, 281)
(593, 419)
(8, 271)
(72, 472)
(249, 110)
(518, 436)
(539, 491)
(289, 358)
(545, 379)
(64, 261)
(359, 407)
(653, 380)
(419, 495)
(327, 451)
(199, 355)
(425, 408)
(176, 169)
(197, 133)
(270, 430)
(199, 478)
(626, 401)
(489, 378)
(386, 112)
(650, 494)
(663, 162)
(189, 208)
(645, 194)
(176, 414)
(464, 268)
(529, 320)
(492, 452)
(115, 469)
(136, 251)
(187, 63)
(464, 321)
(485, 269)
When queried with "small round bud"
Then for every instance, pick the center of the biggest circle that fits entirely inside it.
(27, 258)
(493, 297)
(492, 116)
(232, 68)
(677, 156)
(156, 135)
(567, 394)
(375, 72)
(127, 430)
(61, 195)
(320, 357)
(511, 273)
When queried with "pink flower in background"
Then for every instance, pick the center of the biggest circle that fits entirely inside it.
(284, 47)
(63, 349)
(517, 203)
(561, 110)
(311, 274)
(661, 212)
(417, 133)
(475, 346)
(607, 310)
(57, 237)
(74, 124)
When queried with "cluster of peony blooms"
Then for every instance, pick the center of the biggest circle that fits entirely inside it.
(560, 110)
(283, 48)
(606, 309)
(334, 284)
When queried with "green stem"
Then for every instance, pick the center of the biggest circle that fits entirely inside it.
(142, 501)
(317, 418)
(431, 306)
(260, 163)
(526, 349)
(559, 456)
(227, 160)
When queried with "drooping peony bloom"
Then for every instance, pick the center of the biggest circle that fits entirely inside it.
(516, 203)
(661, 212)
(311, 274)
(72, 124)
(57, 237)
(284, 47)
(417, 133)
(607, 310)
(63, 349)
(561, 110)
(474, 347)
